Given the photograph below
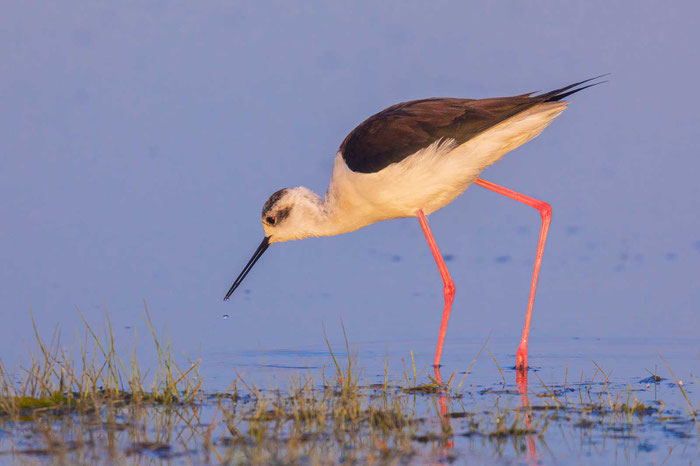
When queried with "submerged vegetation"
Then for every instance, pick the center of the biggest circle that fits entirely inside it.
(86, 403)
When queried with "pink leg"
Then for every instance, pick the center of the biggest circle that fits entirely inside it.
(449, 286)
(546, 214)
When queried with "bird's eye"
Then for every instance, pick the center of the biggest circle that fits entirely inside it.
(270, 220)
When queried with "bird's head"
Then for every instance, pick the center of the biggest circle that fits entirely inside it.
(289, 214)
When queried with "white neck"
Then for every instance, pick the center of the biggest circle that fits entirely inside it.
(331, 216)
(313, 216)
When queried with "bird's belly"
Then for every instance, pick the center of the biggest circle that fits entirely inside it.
(414, 189)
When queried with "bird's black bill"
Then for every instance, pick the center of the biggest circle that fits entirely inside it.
(256, 255)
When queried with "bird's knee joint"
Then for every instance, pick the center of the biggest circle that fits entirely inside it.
(545, 210)
(449, 289)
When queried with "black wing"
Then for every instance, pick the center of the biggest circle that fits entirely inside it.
(403, 129)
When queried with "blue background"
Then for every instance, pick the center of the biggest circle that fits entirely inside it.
(138, 142)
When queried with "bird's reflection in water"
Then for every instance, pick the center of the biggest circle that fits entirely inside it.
(521, 382)
(449, 442)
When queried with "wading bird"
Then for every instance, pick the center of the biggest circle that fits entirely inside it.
(410, 160)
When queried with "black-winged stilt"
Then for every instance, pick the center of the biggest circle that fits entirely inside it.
(410, 160)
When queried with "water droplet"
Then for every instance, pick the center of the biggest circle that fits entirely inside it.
(225, 316)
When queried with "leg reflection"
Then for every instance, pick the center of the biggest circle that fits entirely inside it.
(521, 381)
(448, 443)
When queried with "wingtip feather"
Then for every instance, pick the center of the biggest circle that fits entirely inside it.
(566, 91)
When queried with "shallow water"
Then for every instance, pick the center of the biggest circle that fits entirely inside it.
(624, 359)
(559, 364)
(560, 408)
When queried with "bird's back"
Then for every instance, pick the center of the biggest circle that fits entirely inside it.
(401, 130)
